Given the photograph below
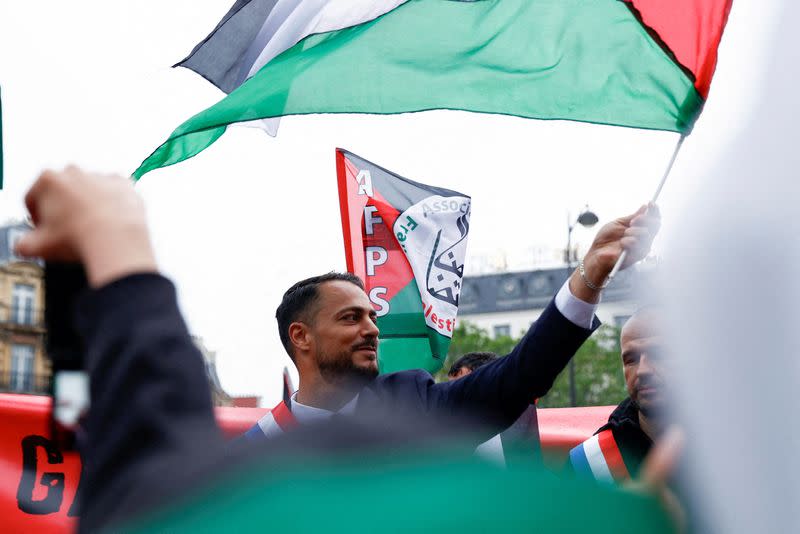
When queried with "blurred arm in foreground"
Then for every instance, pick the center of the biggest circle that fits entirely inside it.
(149, 392)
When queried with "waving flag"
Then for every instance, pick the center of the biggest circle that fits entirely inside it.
(407, 241)
(222, 57)
(253, 32)
(637, 63)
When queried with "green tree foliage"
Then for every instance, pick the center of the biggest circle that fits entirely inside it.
(598, 368)
(598, 374)
(470, 338)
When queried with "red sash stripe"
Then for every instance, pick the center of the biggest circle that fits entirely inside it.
(283, 417)
(612, 455)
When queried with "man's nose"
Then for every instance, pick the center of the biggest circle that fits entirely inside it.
(370, 328)
(645, 365)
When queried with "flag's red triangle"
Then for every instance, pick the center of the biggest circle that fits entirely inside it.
(690, 30)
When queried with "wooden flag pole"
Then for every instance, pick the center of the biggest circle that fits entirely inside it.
(624, 254)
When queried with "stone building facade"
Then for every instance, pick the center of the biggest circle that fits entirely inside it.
(23, 365)
(505, 304)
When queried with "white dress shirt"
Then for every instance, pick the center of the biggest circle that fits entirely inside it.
(577, 311)
(305, 414)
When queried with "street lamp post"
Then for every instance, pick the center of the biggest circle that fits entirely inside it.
(586, 218)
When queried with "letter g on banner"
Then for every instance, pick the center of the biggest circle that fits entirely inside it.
(54, 482)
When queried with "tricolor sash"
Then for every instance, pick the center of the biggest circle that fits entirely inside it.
(281, 419)
(599, 457)
(274, 423)
(521, 437)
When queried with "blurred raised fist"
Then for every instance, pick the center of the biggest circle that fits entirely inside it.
(94, 219)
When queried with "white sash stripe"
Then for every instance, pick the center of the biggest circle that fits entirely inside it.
(597, 462)
(492, 450)
(269, 426)
(300, 414)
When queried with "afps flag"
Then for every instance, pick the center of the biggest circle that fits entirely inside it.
(407, 241)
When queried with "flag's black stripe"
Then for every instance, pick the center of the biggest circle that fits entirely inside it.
(218, 58)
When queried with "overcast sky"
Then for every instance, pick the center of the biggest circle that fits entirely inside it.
(89, 82)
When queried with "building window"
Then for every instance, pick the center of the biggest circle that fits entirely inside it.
(540, 283)
(502, 330)
(470, 294)
(511, 287)
(21, 368)
(14, 235)
(22, 304)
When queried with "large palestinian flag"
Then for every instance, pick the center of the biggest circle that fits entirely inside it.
(407, 241)
(637, 63)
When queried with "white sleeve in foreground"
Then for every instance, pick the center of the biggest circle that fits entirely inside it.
(577, 311)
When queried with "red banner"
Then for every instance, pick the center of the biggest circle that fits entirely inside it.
(38, 482)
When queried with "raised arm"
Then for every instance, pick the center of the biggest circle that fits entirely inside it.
(151, 407)
(498, 393)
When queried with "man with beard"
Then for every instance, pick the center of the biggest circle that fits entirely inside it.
(616, 451)
(329, 328)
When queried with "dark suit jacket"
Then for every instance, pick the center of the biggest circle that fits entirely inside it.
(152, 419)
(493, 396)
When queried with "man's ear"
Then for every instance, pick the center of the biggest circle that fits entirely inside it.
(300, 336)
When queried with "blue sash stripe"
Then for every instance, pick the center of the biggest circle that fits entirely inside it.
(254, 432)
(577, 457)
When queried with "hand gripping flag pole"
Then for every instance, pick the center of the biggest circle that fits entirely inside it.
(624, 254)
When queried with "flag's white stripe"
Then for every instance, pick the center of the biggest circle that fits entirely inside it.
(291, 21)
(597, 462)
(278, 16)
(289, 24)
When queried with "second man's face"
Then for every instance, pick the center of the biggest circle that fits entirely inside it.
(345, 332)
(643, 365)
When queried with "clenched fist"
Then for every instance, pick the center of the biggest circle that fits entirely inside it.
(633, 233)
(94, 219)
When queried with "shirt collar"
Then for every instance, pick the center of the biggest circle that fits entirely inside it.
(309, 414)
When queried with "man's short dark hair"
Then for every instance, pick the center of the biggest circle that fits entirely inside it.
(472, 361)
(299, 299)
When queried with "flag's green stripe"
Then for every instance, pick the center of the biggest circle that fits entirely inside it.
(439, 346)
(180, 148)
(405, 314)
(586, 60)
(403, 493)
(407, 342)
(402, 354)
(404, 334)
